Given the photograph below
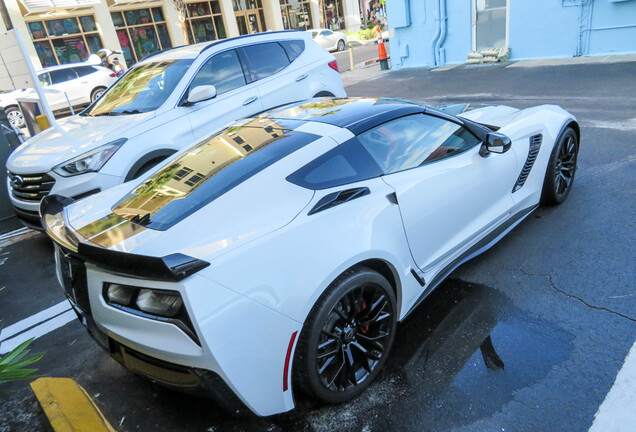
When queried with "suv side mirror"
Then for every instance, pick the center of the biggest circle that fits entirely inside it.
(495, 142)
(201, 93)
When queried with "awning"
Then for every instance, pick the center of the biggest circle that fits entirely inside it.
(42, 5)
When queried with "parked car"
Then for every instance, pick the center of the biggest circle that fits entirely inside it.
(162, 105)
(83, 83)
(329, 40)
(278, 255)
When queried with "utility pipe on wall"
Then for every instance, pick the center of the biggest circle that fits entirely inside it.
(440, 34)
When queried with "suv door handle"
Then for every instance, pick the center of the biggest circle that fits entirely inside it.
(250, 100)
(302, 77)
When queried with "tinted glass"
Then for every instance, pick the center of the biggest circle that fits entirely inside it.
(84, 70)
(62, 75)
(223, 71)
(293, 48)
(347, 163)
(45, 79)
(144, 88)
(265, 59)
(207, 171)
(414, 140)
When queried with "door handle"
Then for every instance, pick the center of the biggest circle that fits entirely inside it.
(250, 100)
(302, 77)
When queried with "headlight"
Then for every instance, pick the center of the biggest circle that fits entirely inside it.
(162, 303)
(91, 161)
(120, 294)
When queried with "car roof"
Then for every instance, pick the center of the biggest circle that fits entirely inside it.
(194, 50)
(355, 114)
(66, 66)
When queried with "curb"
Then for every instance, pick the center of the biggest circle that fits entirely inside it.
(68, 407)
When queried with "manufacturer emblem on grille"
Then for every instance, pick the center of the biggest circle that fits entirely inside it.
(17, 181)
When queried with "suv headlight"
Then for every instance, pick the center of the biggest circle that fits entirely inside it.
(91, 161)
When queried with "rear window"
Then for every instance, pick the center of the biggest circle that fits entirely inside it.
(207, 171)
(265, 59)
(293, 48)
(347, 163)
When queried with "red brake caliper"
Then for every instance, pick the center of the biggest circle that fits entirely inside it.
(362, 305)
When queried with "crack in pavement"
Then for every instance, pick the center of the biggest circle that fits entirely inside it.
(572, 296)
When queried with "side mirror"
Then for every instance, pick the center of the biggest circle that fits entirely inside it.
(495, 142)
(201, 93)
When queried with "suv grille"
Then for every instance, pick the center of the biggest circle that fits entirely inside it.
(30, 187)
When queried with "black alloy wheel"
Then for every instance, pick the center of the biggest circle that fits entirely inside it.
(559, 176)
(347, 337)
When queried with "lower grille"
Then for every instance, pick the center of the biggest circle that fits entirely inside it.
(30, 187)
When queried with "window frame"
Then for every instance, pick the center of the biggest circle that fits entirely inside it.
(211, 16)
(127, 28)
(245, 77)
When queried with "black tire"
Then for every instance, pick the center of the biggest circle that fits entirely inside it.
(341, 45)
(356, 314)
(96, 93)
(15, 117)
(146, 167)
(559, 175)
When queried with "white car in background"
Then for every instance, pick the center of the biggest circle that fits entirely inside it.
(160, 106)
(82, 83)
(329, 40)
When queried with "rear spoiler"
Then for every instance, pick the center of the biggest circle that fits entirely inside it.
(173, 267)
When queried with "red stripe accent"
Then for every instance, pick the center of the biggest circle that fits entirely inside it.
(287, 358)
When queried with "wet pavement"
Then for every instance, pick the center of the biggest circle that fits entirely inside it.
(527, 337)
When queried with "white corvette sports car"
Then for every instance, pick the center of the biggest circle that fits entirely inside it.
(279, 254)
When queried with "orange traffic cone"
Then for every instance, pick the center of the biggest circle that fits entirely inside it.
(382, 57)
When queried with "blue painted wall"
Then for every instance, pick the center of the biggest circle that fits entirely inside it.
(537, 29)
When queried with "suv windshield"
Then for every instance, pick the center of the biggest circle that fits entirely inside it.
(144, 88)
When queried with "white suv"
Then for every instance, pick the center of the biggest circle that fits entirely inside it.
(162, 105)
(83, 83)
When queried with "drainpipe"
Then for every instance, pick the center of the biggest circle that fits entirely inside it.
(440, 34)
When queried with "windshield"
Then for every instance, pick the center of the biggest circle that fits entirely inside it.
(208, 170)
(144, 88)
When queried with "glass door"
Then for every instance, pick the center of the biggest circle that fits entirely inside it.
(490, 24)
(248, 22)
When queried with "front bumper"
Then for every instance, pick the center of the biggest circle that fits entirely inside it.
(76, 187)
(241, 344)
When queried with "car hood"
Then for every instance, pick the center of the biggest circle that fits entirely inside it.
(489, 115)
(73, 136)
(10, 97)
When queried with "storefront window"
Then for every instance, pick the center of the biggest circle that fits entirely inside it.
(332, 14)
(205, 21)
(249, 16)
(60, 41)
(141, 32)
(296, 14)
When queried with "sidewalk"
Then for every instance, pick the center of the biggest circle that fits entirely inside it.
(366, 73)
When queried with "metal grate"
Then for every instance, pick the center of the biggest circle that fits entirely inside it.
(30, 187)
(535, 145)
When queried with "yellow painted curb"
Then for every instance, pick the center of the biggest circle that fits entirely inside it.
(68, 407)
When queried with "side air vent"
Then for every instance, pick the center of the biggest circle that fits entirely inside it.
(535, 145)
(337, 198)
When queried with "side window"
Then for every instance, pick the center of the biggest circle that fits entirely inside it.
(84, 70)
(293, 48)
(265, 59)
(45, 79)
(415, 140)
(62, 75)
(347, 163)
(223, 71)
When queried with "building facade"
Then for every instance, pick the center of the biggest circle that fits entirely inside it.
(428, 33)
(68, 31)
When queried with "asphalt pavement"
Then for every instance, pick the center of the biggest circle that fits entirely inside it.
(529, 336)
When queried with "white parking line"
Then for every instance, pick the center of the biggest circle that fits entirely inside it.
(617, 413)
(33, 320)
(13, 233)
(35, 326)
(37, 331)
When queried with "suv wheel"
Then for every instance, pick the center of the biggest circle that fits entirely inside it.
(15, 117)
